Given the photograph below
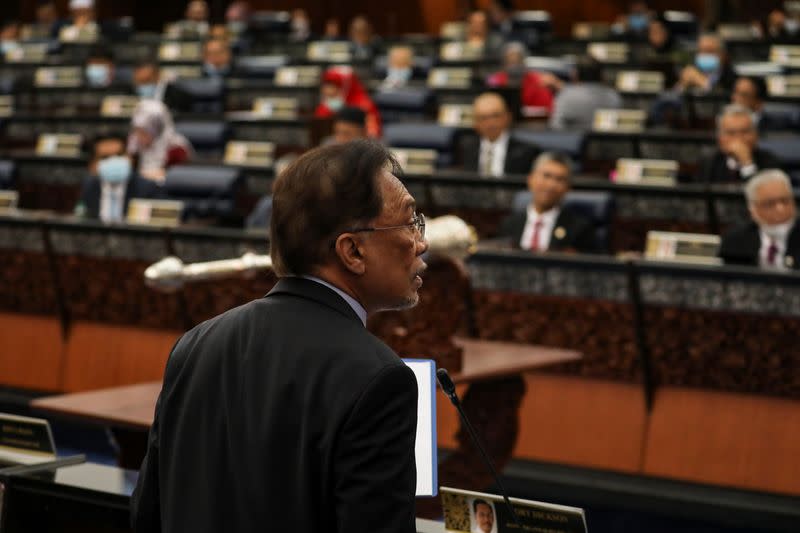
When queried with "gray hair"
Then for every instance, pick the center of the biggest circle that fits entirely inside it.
(734, 110)
(515, 46)
(556, 157)
(762, 178)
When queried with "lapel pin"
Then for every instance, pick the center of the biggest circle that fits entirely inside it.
(560, 232)
(789, 261)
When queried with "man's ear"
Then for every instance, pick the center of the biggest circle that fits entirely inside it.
(350, 253)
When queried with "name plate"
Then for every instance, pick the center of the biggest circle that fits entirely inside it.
(785, 55)
(460, 115)
(455, 31)
(608, 52)
(178, 72)
(783, 85)
(154, 212)
(590, 30)
(6, 106)
(27, 53)
(25, 440)
(695, 248)
(276, 108)
(118, 105)
(74, 34)
(624, 120)
(298, 76)
(640, 81)
(449, 77)
(460, 51)
(58, 77)
(466, 512)
(59, 144)
(182, 51)
(415, 160)
(8, 201)
(735, 32)
(327, 51)
(647, 171)
(255, 154)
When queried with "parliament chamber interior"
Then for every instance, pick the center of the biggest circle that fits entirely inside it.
(621, 318)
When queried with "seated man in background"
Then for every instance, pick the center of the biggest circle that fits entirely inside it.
(751, 92)
(99, 70)
(147, 80)
(363, 40)
(47, 24)
(546, 225)
(576, 103)
(494, 153)
(82, 25)
(479, 36)
(711, 69)
(737, 156)
(770, 240)
(9, 37)
(349, 124)
(216, 58)
(112, 183)
(195, 21)
(399, 67)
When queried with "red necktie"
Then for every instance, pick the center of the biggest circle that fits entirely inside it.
(537, 226)
(772, 252)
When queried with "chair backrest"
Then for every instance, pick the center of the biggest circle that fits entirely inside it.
(208, 137)
(196, 95)
(260, 66)
(7, 173)
(422, 135)
(569, 142)
(785, 148)
(409, 103)
(597, 206)
(782, 116)
(206, 190)
(682, 23)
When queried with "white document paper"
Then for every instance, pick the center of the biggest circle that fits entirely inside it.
(425, 445)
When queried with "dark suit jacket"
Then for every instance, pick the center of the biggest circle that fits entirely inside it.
(741, 246)
(284, 414)
(714, 169)
(137, 187)
(519, 156)
(578, 231)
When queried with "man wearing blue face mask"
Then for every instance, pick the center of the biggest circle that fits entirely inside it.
(99, 67)
(216, 58)
(710, 70)
(400, 63)
(147, 81)
(634, 24)
(112, 183)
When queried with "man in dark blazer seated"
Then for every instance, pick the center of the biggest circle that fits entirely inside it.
(286, 414)
(771, 240)
(546, 225)
(737, 156)
(493, 153)
(112, 183)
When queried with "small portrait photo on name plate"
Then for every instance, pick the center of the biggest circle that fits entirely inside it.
(483, 518)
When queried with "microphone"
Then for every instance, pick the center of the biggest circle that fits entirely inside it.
(449, 388)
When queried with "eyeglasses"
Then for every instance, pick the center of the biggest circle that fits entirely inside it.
(772, 203)
(418, 223)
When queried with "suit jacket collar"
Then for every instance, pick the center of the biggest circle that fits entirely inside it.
(311, 290)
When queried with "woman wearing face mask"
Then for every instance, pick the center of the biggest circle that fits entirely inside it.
(155, 141)
(112, 183)
(341, 87)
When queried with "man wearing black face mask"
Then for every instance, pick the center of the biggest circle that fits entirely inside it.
(112, 183)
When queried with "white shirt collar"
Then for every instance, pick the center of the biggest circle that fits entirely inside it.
(500, 142)
(352, 302)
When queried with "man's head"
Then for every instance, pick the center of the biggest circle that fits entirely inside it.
(491, 116)
(484, 515)
(350, 124)
(46, 12)
(500, 10)
(514, 56)
(81, 11)
(217, 54)
(360, 30)
(9, 31)
(477, 25)
(735, 125)
(549, 180)
(657, 34)
(100, 66)
(770, 198)
(104, 148)
(400, 57)
(197, 11)
(749, 92)
(145, 79)
(340, 213)
(710, 53)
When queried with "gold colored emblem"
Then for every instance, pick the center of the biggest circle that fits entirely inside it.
(560, 232)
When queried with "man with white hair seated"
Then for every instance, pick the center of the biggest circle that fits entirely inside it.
(771, 239)
(737, 156)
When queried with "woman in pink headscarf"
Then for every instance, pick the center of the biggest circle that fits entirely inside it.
(155, 141)
(342, 88)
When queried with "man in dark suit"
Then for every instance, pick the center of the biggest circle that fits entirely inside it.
(112, 183)
(751, 92)
(737, 156)
(545, 225)
(493, 152)
(286, 414)
(771, 239)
